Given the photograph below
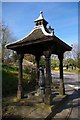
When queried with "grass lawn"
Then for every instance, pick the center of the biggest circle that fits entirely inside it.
(73, 71)
(10, 81)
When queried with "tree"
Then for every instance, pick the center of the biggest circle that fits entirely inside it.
(5, 38)
(29, 57)
(75, 51)
(54, 61)
(78, 64)
(14, 56)
(71, 57)
(67, 55)
(42, 61)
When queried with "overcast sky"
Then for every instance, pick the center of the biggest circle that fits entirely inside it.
(62, 16)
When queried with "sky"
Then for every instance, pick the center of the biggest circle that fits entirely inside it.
(62, 16)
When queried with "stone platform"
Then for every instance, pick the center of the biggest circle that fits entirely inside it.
(32, 107)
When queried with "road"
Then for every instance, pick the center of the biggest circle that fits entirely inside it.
(70, 109)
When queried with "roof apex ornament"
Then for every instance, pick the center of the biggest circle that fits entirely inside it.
(40, 17)
(51, 30)
(40, 20)
(41, 14)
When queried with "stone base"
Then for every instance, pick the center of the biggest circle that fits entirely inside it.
(48, 99)
(61, 89)
(20, 94)
(36, 87)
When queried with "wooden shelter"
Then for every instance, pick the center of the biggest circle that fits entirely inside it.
(41, 41)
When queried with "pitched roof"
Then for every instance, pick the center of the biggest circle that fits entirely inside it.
(39, 34)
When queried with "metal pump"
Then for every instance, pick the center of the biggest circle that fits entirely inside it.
(41, 81)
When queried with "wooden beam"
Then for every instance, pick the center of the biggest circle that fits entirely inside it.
(61, 87)
(37, 58)
(48, 95)
(20, 92)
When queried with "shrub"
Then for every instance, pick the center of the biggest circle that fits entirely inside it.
(56, 68)
(10, 80)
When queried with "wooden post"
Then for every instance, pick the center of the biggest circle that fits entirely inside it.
(61, 87)
(48, 96)
(37, 58)
(19, 92)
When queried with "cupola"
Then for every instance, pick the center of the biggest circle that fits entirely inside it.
(40, 20)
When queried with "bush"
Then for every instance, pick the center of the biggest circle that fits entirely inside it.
(56, 68)
(10, 80)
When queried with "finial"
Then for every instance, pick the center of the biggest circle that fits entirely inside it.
(51, 30)
(40, 20)
(41, 12)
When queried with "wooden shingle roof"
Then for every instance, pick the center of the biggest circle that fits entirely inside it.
(38, 40)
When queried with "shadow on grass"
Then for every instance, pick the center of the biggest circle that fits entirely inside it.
(9, 83)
